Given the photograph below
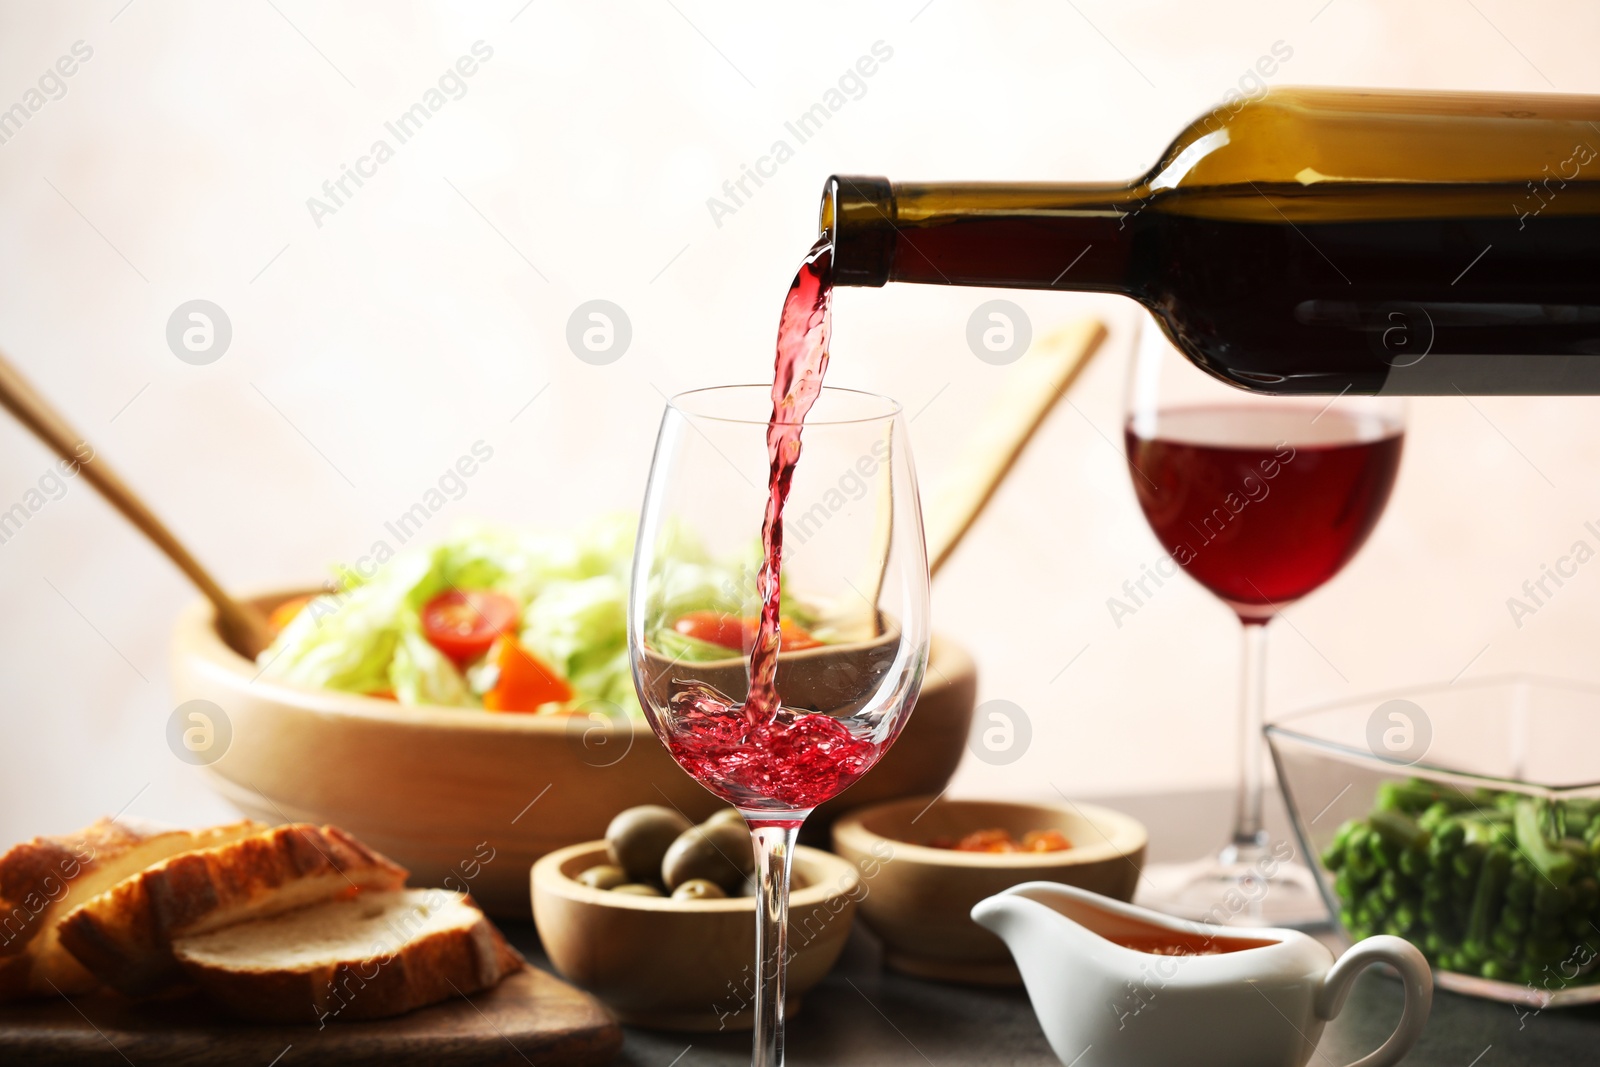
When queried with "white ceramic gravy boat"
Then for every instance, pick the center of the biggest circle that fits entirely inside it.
(1260, 1001)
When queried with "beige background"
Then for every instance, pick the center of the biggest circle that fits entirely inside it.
(371, 352)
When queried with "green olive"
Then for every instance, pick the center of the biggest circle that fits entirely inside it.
(638, 889)
(603, 876)
(719, 853)
(638, 839)
(726, 815)
(698, 889)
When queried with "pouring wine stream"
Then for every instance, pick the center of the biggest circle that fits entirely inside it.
(803, 333)
(778, 763)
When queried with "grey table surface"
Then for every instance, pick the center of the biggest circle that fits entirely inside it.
(865, 1014)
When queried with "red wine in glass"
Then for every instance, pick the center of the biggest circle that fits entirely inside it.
(758, 755)
(797, 760)
(1261, 504)
(862, 576)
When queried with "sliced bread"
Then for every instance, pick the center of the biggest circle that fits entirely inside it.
(370, 956)
(41, 880)
(123, 936)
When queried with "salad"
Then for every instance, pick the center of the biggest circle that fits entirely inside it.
(518, 621)
(1492, 883)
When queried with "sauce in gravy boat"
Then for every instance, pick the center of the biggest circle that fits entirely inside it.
(1116, 985)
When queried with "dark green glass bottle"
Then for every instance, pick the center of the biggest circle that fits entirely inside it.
(1309, 241)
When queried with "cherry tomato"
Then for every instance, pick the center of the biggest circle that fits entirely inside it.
(525, 680)
(284, 613)
(712, 627)
(731, 631)
(463, 625)
(792, 637)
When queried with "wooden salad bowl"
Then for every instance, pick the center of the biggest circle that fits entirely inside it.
(470, 799)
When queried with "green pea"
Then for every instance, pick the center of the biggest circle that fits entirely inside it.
(1553, 899)
(1446, 837)
(1435, 816)
(1497, 971)
(1467, 861)
(1390, 886)
(1549, 950)
(1546, 926)
(1414, 863)
(1383, 850)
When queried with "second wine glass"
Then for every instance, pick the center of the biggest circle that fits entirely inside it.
(853, 622)
(1261, 500)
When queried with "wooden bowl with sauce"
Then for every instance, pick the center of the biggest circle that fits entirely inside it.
(918, 898)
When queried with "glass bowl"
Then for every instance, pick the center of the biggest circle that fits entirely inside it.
(1464, 818)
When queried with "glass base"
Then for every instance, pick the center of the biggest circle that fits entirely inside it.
(1243, 886)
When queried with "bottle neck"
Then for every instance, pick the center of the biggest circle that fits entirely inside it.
(1013, 236)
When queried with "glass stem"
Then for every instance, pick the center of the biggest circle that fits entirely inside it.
(1247, 830)
(774, 845)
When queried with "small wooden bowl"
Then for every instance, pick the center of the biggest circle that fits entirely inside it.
(919, 900)
(681, 965)
(469, 799)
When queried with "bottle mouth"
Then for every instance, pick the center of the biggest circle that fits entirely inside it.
(858, 214)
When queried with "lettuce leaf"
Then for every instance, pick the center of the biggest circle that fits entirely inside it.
(346, 640)
(685, 649)
(571, 588)
(421, 674)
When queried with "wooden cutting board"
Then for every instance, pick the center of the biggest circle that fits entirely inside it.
(531, 1017)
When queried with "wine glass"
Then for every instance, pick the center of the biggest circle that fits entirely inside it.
(1260, 499)
(854, 611)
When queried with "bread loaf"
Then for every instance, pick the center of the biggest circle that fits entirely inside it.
(374, 955)
(43, 879)
(123, 936)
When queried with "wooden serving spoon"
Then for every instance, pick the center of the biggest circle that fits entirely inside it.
(242, 625)
(1030, 390)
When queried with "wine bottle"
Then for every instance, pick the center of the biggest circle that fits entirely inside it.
(1307, 241)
